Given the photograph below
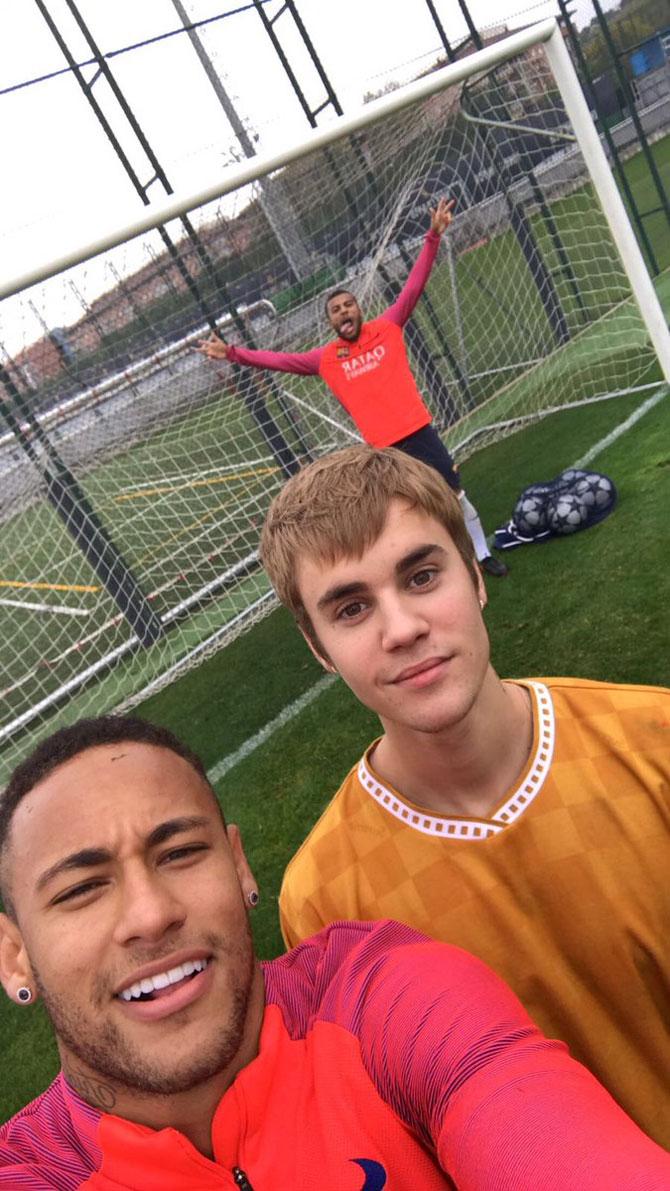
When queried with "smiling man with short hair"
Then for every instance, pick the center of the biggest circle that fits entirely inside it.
(125, 914)
(368, 1057)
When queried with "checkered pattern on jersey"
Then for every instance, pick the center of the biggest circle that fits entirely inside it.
(566, 897)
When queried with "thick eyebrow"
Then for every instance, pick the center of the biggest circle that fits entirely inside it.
(93, 857)
(340, 591)
(86, 858)
(172, 827)
(419, 555)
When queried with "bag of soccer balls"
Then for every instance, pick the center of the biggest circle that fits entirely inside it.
(574, 500)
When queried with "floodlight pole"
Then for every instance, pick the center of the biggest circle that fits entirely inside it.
(274, 201)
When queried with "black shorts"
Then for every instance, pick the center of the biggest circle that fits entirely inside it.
(425, 444)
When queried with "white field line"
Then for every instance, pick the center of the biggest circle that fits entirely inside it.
(199, 474)
(56, 609)
(622, 428)
(293, 709)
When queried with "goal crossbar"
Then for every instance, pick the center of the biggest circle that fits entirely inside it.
(547, 32)
(240, 175)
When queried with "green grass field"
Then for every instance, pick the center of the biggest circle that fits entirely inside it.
(592, 605)
(178, 522)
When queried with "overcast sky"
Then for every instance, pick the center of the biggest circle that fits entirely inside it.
(62, 181)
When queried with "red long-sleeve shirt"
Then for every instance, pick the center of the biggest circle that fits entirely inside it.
(370, 377)
(385, 1060)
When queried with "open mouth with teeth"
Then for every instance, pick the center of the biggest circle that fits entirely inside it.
(152, 988)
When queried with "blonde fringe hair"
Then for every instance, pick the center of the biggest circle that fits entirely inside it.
(336, 508)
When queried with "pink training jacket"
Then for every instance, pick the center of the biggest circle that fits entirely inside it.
(386, 1060)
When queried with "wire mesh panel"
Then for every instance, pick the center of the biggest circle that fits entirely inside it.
(135, 473)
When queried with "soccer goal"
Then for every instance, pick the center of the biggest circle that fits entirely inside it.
(135, 474)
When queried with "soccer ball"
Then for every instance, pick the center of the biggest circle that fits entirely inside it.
(570, 476)
(566, 513)
(530, 517)
(595, 491)
(539, 490)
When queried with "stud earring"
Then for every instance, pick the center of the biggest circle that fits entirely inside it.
(252, 898)
(481, 605)
(24, 995)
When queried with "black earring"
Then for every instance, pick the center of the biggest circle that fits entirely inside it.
(252, 898)
(24, 995)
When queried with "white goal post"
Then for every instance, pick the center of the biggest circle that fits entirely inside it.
(135, 474)
(610, 198)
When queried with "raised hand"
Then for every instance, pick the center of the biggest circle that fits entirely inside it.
(442, 215)
(214, 348)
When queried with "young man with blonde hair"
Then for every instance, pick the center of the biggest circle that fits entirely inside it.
(526, 820)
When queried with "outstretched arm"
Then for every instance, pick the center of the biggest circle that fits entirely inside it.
(451, 1050)
(440, 218)
(302, 363)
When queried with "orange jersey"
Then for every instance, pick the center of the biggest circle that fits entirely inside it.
(562, 889)
(371, 378)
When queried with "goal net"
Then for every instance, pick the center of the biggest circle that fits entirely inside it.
(135, 474)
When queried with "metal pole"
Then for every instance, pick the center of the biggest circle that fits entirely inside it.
(610, 198)
(630, 99)
(519, 222)
(245, 172)
(80, 520)
(268, 24)
(611, 143)
(274, 201)
(458, 313)
(159, 174)
(250, 390)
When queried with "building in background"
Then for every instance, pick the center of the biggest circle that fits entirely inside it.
(650, 68)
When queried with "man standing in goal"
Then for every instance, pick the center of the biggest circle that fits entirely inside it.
(368, 371)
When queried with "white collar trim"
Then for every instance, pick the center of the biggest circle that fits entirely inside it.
(508, 813)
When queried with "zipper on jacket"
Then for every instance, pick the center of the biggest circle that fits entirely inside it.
(241, 1179)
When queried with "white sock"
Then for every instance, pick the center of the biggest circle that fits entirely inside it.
(474, 527)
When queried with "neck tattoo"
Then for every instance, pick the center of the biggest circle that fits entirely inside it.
(94, 1091)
